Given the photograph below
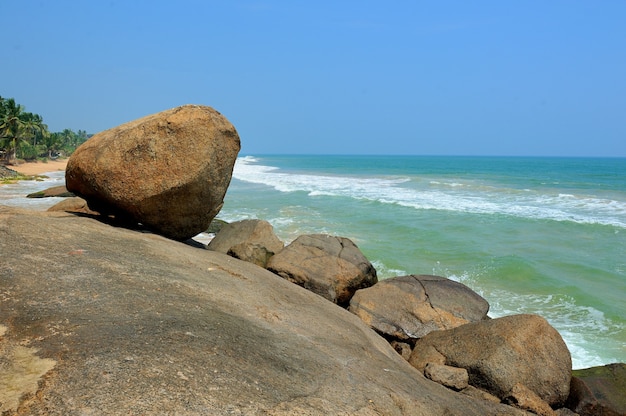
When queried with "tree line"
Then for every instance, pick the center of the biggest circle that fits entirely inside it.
(24, 135)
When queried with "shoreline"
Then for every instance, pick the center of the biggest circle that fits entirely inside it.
(38, 168)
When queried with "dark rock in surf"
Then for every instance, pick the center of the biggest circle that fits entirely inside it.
(599, 390)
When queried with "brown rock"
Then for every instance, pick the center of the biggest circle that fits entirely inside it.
(136, 324)
(169, 171)
(480, 394)
(332, 267)
(409, 307)
(564, 411)
(500, 353)
(524, 398)
(427, 354)
(249, 240)
(73, 204)
(451, 377)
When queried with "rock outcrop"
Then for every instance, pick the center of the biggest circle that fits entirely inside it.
(134, 323)
(500, 353)
(333, 267)
(249, 240)
(168, 171)
(409, 307)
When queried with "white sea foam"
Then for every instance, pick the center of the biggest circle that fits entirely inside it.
(384, 272)
(465, 197)
(15, 194)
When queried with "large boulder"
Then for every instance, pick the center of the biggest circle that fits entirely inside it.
(409, 307)
(500, 353)
(333, 267)
(249, 240)
(101, 320)
(168, 171)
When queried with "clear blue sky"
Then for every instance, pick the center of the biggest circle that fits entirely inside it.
(533, 77)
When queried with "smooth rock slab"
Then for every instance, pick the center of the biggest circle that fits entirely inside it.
(142, 325)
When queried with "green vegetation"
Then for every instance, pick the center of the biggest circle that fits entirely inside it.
(24, 135)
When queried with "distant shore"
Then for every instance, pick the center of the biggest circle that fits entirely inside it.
(38, 168)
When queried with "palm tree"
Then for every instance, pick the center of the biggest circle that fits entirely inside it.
(18, 126)
(53, 143)
(11, 124)
(33, 129)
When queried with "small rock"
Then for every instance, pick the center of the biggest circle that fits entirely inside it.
(451, 377)
(524, 398)
(56, 191)
(402, 348)
(249, 240)
(73, 204)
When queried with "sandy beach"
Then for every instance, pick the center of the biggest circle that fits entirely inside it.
(38, 168)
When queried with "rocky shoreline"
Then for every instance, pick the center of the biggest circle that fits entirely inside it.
(101, 313)
(118, 321)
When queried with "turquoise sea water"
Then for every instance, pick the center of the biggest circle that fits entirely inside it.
(531, 235)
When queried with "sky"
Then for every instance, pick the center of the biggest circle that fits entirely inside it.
(511, 78)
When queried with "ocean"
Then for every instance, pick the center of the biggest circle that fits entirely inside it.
(531, 235)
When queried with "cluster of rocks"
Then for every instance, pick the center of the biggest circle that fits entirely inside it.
(439, 326)
(169, 172)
